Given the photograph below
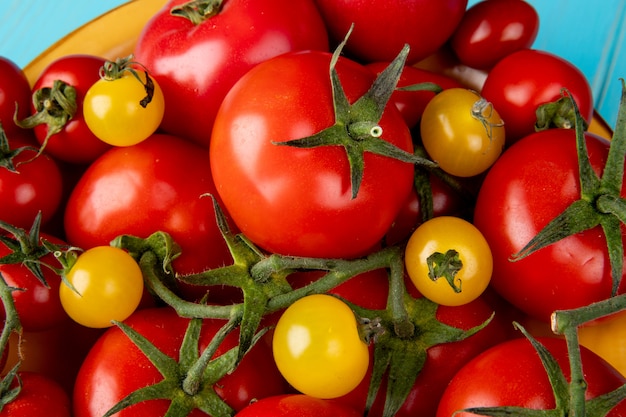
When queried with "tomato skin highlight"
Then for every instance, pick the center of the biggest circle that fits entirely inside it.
(298, 201)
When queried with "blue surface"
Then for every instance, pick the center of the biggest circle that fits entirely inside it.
(593, 38)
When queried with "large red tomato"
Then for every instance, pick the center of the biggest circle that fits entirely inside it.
(299, 201)
(196, 63)
(382, 27)
(156, 185)
(531, 184)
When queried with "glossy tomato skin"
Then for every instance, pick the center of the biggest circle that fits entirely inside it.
(14, 90)
(156, 185)
(292, 405)
(196, 65)
(511, 373)
(40, 396)
(299, 201)
(532, 183)
(493, 29)
(114, 367)
(74, 143)
(522, 81)
(37, 186)
(382, 27)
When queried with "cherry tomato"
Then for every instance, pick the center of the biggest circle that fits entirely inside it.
(449, 260)
(462, 132)
(607, 338)
(39, 396)
(381, 28)
(14, 90)
(116, 113)
(512, 374)
(106, 284)
(493, 29)
(317, 347)
(524, 80)
(292, 405)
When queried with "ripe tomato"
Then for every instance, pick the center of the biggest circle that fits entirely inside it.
(462, 132)
(115, 110)
(74, 142)
(115, 367)
(155, 185)
(36, 186)
(107, 285)
(14, 90)
(448, 260)
(381, 28)
(196, 63)
(491, 30)
(512, 374)
(522, 81)
(297, 201)
(317, 347)
(39, 396)
(292, 405)
(531, 184)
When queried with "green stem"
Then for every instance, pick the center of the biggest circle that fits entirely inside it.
(12, 321)
(402, 324)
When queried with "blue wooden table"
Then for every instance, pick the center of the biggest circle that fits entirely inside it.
(591, 37)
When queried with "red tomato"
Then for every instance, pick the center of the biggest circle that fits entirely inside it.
(299, 201)
(493, 29)
(156, 185)
(38, 306)
(412, 103)
(522, 81)
(381, 28)
(115, 367)
(512, 374)
(36, 186)
(14, 90)
(74, 143)
(39, 396)
(196, 64)
(532, 183)
(296, 405)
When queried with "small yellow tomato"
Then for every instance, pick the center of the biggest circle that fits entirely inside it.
(107, 285)
(449, 261)
(462, 132)
(317, 347)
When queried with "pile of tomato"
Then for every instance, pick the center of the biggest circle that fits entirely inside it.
(312, 207)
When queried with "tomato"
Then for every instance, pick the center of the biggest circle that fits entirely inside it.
(115, 367)
(412, 103)
(197, 63)
(607, 338)
(14, 91)
(531, 184)
(522, 81)
(512, 374)
(36, 185)
(74, 142)
(296, 405)
(381, 28)
(448, 260)
(317, 347)
(116, 111)
(462, 132)
(106, 285)
(39, 396)
(493, 29)
(156, 185)
(299, 201)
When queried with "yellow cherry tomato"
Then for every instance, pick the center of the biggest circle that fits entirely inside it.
(462, 132)
(317, 347)
(107, 285)
(449, 261)
(607, 338)
(117, 112)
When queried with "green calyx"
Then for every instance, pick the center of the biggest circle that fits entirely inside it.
(113, 70)
(356, 126)
(7, 155)
(197, 11)
(600, 202)
(446, 266)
